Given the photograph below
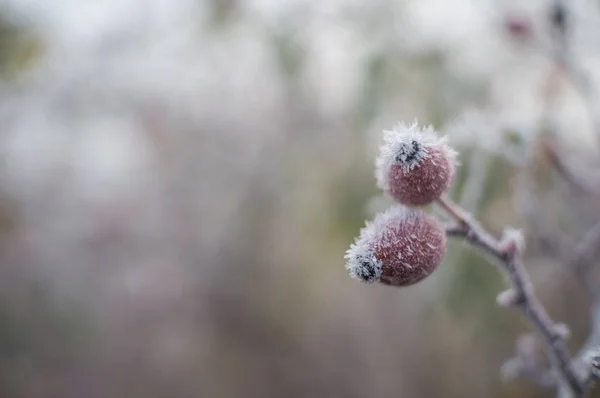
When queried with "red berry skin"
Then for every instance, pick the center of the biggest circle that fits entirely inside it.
(418, 248)
(426, 182)
(399, 248)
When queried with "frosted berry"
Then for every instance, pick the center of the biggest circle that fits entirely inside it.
(414, 166)
(399, 247)
(518, 26)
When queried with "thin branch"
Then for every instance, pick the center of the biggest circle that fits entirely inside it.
(508, 259)
(591, 343)
(527, 364)
(584, 255)
(559, 29)
(561, 32)
(576, 258)
(588, 248)
(574, 180)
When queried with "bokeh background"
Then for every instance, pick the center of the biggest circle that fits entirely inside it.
(179, 180)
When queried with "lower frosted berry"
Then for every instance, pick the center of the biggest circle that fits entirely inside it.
(399, 247)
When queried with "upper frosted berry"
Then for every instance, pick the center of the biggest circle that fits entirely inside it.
(414, 166)
(399, 247)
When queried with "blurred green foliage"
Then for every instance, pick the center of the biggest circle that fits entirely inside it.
(20, 48)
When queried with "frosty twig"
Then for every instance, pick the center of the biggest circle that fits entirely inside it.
(507, 256)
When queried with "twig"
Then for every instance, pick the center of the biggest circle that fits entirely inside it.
(526, 363)
(588, 249)
(591, 343)
(560, 24)
(584, 254)
(577, 258)
(575, 181)
(560, 30)
(508, 258)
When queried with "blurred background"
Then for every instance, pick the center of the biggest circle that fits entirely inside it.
(180, 179)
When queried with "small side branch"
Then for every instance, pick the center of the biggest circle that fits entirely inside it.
(583, 258)
(575, 181)
(507, 256)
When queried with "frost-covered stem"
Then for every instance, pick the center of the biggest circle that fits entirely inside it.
(559, 19)
(476, 236)
(561, 26)
(585, 253)
(591, 343)
(575, 181)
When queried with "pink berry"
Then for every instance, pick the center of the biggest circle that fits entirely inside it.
(399, 247)
(415, 166)
(518, 26)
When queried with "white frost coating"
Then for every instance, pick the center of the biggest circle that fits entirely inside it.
(362, 264)
(513, 237)
(361, 261)
(407, 145)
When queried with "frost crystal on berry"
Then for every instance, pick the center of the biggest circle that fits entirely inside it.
(399, 247)
(414, 166)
